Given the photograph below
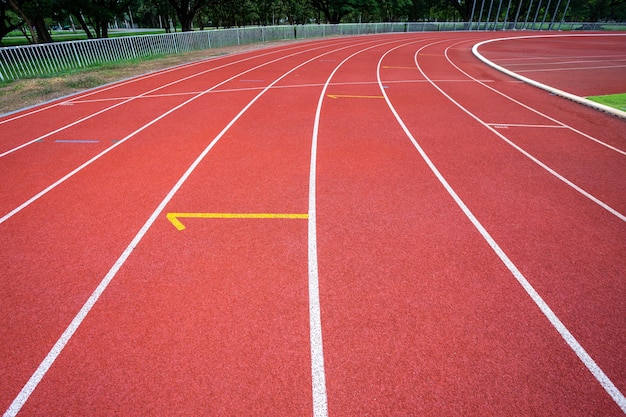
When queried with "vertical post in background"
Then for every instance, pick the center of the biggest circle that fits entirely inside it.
(480, 16)
(472, 15)
(556, 10)
(489, 14)
(545, 13)
(564, 13)
(506, 15)
(495, 26)
(537, 14)
(519, 8)
(530, 6)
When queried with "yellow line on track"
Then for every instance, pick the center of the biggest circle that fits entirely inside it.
(174, 217)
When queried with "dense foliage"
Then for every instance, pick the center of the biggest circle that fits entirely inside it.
(36, 18)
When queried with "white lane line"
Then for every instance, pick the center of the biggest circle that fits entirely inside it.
(552, 119)
(276, 87)
(561, 93)
(571, 68)
(127, 100)
(552, 58)
(60, 344)
(68, 100)
(522, 151)
(121, 141)
(583, 61)
(73, 97)
(582, 354)
(505, 125)
(320, 400)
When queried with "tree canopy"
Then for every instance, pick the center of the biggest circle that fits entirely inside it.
(36, 17)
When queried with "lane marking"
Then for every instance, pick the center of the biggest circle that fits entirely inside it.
(67, 334)
(573, 97)
(520, 149)
(507, 125)
(77, 141)
(113, 85)
(126, 101)
(335, 96)
(552, 58)
(129, 136)
(393, 67)
(276, 87)
(571, 69)
(569, 338)
(318, 375)
(539, 85)
(174, 217)
(584, 61)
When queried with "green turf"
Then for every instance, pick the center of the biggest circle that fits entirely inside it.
(617, 101)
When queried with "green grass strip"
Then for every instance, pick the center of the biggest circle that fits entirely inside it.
(617, 101)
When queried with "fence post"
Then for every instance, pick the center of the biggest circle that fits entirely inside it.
(472, 15)
(1, 71)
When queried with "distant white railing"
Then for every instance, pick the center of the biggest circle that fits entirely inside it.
(47, 59)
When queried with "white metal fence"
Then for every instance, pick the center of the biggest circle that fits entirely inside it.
(47, 59)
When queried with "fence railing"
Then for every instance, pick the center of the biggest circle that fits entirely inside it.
(48, 59)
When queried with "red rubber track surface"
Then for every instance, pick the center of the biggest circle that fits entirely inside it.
(589, 64)
(420, 315)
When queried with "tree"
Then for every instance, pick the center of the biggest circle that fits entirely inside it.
(8, 20)
(394, 10)
(333, 10)
(78, 9)
(296, 11)
(102, 12)
(34, 14)
(366, 11)
(597, 10)
(154, 13)
(463, 7)
(186, 11)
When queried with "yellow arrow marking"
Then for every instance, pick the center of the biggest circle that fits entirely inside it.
(349, 96)
(173, 217)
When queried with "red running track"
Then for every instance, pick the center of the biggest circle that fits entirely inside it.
(428, 237)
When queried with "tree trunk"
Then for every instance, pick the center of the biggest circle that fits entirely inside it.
(104, 29)
(5, 26)
(42, 31)
(185, 22)
(27, 22)
(83, 25)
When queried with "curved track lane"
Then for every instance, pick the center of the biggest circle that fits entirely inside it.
(337, 227)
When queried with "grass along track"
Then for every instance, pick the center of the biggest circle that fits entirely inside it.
(617, 101)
